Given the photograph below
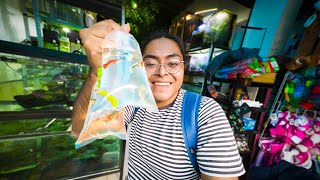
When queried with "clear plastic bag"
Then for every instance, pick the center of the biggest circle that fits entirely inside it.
(122, 82)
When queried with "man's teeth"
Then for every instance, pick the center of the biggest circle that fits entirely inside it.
(162, 83)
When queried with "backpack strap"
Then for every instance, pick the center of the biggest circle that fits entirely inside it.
(136, 109)
(134, 114)
(189, 125)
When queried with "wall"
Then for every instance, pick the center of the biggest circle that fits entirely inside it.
(238, 34)
(287, 24)
(276, 17)
(12, 26)
(11, 21)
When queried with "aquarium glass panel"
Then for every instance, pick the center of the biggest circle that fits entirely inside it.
(55, 157)
(34, 126)
(219, 28)
(33, 83)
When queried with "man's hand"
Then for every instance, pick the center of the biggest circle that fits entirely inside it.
(92, 39)
(114, 122)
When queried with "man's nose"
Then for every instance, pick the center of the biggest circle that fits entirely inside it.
(162, 70)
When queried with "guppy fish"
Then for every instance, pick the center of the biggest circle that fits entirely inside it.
(113, 61)
(136, 65)
(110, 97)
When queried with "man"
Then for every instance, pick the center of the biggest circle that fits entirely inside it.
(156, 144)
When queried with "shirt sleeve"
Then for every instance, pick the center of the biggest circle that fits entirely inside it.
(128, 114)
(217, 152)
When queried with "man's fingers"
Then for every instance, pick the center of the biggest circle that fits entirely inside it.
(114, 25)
(93, 47)
(93, 43)
(126, 27)
(103, 27)
(100, 30)
(93, 38)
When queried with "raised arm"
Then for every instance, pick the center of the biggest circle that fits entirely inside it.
(92, 39)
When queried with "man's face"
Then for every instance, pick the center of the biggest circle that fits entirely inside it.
(164, 86)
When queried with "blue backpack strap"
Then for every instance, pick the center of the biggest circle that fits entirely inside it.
(189, 125)
(134, 113)
(135, 110)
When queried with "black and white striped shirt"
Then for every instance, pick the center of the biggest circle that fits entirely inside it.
(157, 149)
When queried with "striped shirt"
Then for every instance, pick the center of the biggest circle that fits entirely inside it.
(157, 149)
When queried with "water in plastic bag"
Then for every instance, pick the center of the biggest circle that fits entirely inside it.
(122, 81)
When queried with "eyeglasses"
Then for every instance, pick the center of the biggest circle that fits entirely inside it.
(172, 66)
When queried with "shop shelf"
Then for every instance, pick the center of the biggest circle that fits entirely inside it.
(31, 114)
(248, 132)
(61, 23)
(33, 135)
(241, 83)
(193, 84)
(199, 48)
(261, 109)
(209, 46)
(42, 53)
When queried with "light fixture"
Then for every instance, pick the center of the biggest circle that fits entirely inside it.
(189, 16)
(134, 5)
(65, 29)
(221, 15)
(202, 27)
(205, 11)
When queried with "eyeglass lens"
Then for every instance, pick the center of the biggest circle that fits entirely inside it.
(171, 66)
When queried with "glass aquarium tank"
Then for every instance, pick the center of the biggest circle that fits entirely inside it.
(49, 152)
(36, 97)
(197, 36)
(219, 27)
(198, 61)
(215, 28)
(33, 83)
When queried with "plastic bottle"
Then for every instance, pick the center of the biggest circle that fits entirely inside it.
(274, 64)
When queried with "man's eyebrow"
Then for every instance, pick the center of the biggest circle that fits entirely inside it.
(156, 57)
(173, 55)
(150, 56)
